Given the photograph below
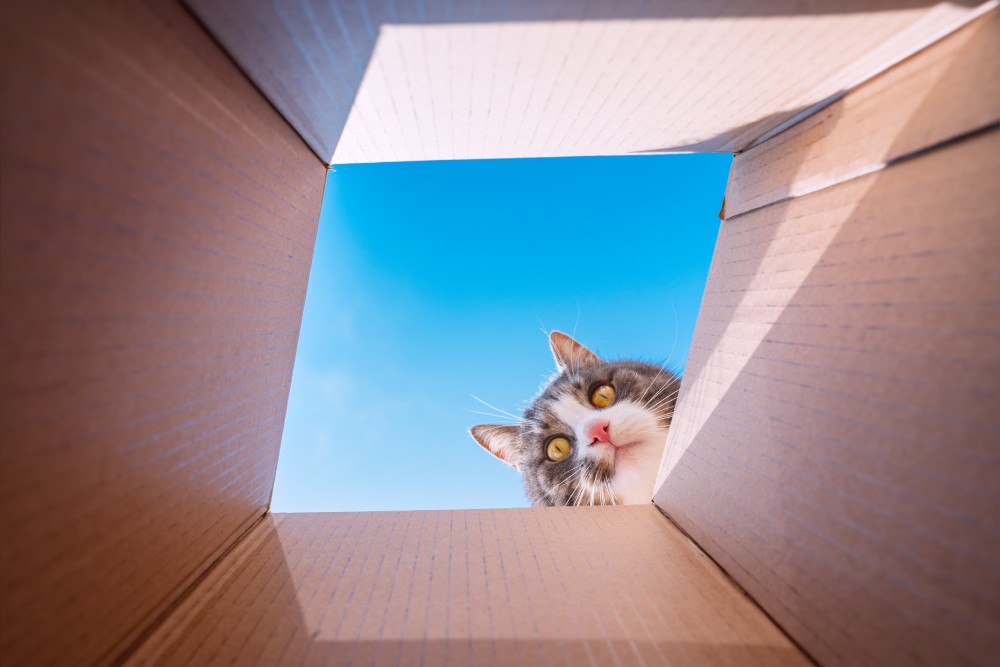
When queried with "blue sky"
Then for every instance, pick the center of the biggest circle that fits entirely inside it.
(435, 281)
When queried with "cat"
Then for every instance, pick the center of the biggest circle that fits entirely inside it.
(594, 435)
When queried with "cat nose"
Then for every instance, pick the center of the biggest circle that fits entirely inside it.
(597, 431)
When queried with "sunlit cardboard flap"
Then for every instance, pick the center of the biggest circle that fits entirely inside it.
(600, 586)
(158, 223)
(835, 441)
(376, 81)
(945, 92)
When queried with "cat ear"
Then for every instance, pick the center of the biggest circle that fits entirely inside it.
(501, 441)
(569, 354)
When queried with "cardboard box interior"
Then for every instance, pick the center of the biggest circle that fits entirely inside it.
(834, 448)
(383, 82)
(158, 223)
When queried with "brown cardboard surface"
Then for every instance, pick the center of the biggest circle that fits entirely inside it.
(373, 81)
(951, 88)
(555, 586)
(158, 223)
(834, 447)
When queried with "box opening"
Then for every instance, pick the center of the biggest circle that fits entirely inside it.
(434, 284)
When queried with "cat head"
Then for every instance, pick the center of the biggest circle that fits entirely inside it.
(595, 434)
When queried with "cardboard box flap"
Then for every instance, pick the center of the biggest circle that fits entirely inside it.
(834, 443)
(158, 222)
(949, 90)
(833, 446)
(602, 586)
(373, 82)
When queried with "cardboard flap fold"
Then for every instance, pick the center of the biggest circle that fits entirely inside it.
(949, 90)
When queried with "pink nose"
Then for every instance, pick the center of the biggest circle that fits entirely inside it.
(598, 432)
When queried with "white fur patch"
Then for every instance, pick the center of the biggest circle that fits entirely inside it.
(632, 427)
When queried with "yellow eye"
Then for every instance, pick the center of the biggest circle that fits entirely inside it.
(602, 396)
(558, 449)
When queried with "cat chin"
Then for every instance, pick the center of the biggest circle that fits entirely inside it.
(635, 472)
(634, 467)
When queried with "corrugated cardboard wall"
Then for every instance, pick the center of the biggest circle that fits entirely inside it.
(158, 220)
(543, 586)
(378, 81)
(947, 91)
(835, 441)
(158, 225)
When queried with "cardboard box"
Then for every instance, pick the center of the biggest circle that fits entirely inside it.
(829, 491)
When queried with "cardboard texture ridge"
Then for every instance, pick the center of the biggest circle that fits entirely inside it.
(829, 489)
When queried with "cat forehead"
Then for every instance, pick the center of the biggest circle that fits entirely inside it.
(570, 409)
(576, 385)
(623, 374)
(632, 379)
(568, 397)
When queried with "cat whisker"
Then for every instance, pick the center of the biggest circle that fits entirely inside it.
(568, 476)
(653, 381)
(650, 385)
(571, 476)
(658, 409)
(668, 385)
(541, 327)
(664, 401)
(666, 404)
(579, 493)
(674, 345)
(494, 416)
(606, 491)
(583, 488)
(493, 407)
(666, 398)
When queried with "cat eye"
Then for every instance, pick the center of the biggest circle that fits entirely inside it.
(558, 449)
(602, 396)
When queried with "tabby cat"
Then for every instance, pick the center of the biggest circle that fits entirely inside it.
(595, 434)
